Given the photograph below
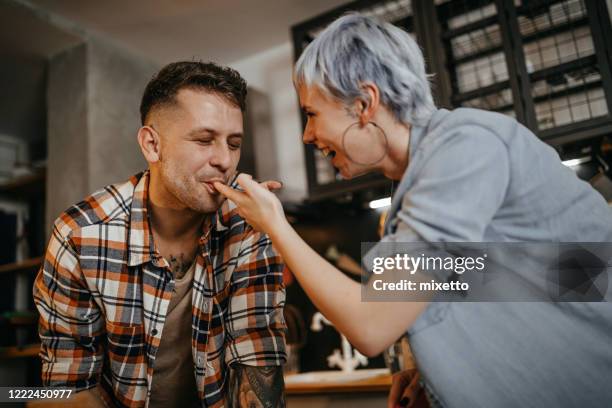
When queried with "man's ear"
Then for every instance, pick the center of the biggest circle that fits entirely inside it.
(150, 144)
(368, 104)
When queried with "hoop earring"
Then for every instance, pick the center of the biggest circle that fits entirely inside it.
(385, 144)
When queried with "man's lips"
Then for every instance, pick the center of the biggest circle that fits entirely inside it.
(210, 186)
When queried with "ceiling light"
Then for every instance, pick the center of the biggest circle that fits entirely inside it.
(380, 203)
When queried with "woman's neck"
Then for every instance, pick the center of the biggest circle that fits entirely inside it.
(398, 140)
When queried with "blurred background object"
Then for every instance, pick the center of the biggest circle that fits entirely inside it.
(296, 338)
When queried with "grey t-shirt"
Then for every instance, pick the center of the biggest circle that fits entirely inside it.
(173, 383)
(477, 176)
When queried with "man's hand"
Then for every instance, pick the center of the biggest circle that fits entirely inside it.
(256, 387)
(406, 390)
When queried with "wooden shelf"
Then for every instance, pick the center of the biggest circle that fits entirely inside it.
(30, 350)
(27, 186)
(29, 265)
(29, 318)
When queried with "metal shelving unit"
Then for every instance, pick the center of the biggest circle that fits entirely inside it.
(541, 61)
(568, 66)
(544, 62)
(476, 61)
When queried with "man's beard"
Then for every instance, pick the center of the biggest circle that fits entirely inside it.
(189, 190)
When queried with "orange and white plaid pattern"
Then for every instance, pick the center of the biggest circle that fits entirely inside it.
(103, 294)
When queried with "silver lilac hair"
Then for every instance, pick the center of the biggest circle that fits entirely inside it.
(356, 49)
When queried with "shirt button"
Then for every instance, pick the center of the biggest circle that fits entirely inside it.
(206, 306)
(154, 332)
(199, 360)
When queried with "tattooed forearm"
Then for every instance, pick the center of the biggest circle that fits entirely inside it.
(179, 265)
(256, 387)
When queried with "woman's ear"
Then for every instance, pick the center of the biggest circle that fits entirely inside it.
(369, 104)
(150, 144)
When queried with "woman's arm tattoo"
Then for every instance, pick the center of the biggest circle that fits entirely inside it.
(255, 387)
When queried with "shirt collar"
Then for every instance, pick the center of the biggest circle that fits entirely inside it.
(140, 237)
(139, 233)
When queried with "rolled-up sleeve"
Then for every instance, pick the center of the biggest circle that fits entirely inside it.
(70, 324)
(255, 324)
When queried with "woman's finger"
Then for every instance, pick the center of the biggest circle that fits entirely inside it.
(246, 182)
(272, 185)
(398, 385)
(410, 393)
(254, 189)
(228, 192)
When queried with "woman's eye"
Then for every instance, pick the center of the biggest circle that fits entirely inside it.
(310, 114)
(204, 142)
(234, 146)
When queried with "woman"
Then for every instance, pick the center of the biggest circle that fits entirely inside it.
(465, 176)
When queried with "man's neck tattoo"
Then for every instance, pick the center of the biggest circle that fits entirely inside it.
(179, 265)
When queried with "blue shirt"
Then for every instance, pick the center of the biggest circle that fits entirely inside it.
(477, 176)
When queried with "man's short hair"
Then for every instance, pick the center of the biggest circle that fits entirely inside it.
(164, 86)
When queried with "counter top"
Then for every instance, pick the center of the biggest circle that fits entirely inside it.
(331, 382)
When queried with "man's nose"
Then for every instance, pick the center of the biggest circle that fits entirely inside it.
(221, 157)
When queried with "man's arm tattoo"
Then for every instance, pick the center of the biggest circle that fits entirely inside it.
(255, 387)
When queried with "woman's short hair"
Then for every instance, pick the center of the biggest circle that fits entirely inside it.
(356, 49)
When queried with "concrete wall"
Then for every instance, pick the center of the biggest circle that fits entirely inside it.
(93, 96)
(67, 131)
(116, 81)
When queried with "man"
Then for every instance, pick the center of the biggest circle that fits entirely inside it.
(156, 292)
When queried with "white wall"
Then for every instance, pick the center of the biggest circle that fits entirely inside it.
(270, 72)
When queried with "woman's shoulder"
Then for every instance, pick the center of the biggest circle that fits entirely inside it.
(468, 128)
(465, 119)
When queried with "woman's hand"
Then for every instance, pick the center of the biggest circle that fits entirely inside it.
(257, 205)
(406, 391)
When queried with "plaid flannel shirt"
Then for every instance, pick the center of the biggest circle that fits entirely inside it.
(103, 294)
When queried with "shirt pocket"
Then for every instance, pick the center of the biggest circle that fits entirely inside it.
(125, 350)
